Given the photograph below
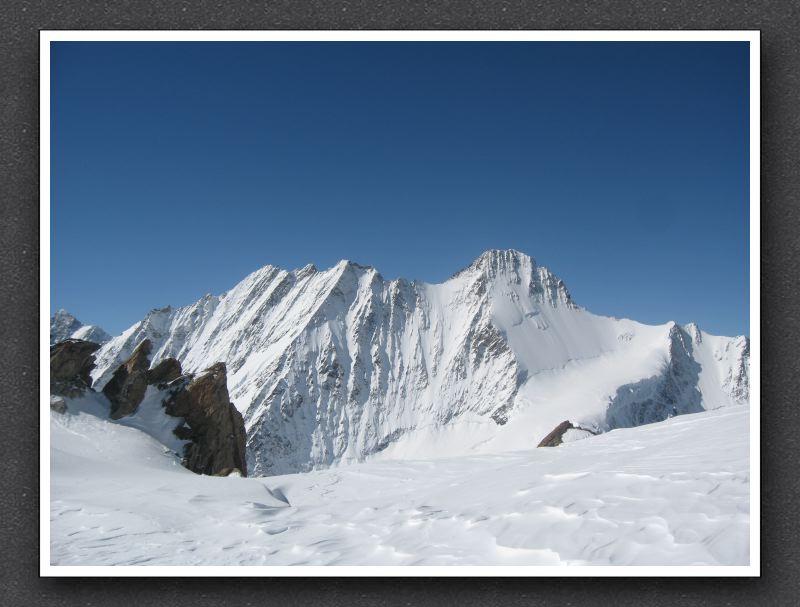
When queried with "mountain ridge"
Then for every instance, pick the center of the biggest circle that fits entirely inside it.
(341, 364)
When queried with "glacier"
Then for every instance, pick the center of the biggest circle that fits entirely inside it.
(341, 366)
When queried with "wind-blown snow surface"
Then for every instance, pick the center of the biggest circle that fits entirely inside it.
(669, 493)
(341, 365)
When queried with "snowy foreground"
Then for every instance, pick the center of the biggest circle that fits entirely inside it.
(671, 493)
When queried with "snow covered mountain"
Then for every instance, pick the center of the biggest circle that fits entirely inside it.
(341, 365)
(64, 325)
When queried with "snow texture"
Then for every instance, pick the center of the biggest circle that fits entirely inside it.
(669, 493)
(342, 366)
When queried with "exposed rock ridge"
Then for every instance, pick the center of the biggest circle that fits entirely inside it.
(542, 284)
(673, 392)
(127, 386)
(71, 364)
(209, 421)
(556, 437)
(737, 381)
(215, 427)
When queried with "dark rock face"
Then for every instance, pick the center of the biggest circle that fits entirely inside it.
(127, 386)
(215, 427)
(71, 362)
(209, 419)
(555, 438)
(672, 392)
(58, 404)
(164, 372)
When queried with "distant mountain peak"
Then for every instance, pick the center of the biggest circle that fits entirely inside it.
(64, 325)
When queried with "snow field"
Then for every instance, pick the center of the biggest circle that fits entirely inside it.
(672, 493)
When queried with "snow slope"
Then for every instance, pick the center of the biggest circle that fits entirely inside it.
(669, 493)
(341, 366)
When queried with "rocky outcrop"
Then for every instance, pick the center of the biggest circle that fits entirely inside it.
(129, 383)
(71, 362)
(206, 416)
(58, 404)
(127, 386)
(164, 372)
(672, 392)
(565, 432)
(556, 437)
(212, 423)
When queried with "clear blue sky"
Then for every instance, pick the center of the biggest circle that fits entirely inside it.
(178, 168)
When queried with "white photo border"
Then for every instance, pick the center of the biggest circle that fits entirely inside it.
(46, 37)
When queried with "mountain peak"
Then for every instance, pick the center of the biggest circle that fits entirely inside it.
(348, 264)
(520, 268)
(506, 254)
(64, 325)
(307, 270)
(502, 259)
(499, 261)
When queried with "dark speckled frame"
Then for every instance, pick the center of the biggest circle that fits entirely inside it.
(20, 21)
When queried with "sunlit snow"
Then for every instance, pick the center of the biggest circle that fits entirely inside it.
(670, 493)
(395, 423)
(341, 365)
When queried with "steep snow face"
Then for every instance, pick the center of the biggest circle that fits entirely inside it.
(341, 365)
(64, 325)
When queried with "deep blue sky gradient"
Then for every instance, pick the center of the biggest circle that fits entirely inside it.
(178, 168)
